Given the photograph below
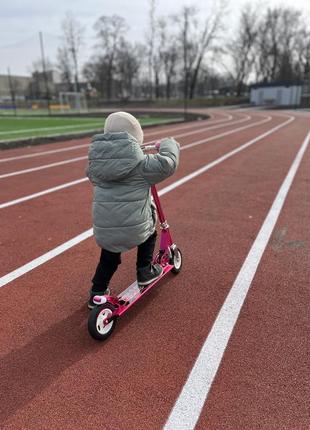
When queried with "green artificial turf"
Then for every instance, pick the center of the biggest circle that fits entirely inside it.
(15, 128)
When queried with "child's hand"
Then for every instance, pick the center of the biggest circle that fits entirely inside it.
(157, 144)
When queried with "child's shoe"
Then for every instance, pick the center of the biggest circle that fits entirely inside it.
(146, 275)
(92, 294)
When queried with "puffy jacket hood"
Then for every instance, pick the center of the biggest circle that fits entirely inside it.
(112, 156)
(124, 121)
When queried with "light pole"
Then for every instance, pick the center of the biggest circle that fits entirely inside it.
(44, 73)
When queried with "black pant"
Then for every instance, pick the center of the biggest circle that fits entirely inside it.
(109, 262)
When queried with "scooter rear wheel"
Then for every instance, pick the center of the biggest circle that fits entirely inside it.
(97, 326)
(177, 261)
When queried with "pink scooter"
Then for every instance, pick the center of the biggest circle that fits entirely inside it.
(102, 318)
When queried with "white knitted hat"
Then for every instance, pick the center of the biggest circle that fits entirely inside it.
(123, 121)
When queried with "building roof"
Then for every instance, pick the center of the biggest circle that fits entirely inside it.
(277, 84)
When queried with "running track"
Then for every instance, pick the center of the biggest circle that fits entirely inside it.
(221, 346)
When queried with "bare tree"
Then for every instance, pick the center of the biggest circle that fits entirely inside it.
(184, 20)
(110, 33)
(95, 72)
(65, 66)
(167, 54)
(39, 81)
(151, 40)
(72, 43)
(157, 71)
(127, 66)
(276, 43)
(197, 41)
(209, 34)
(241, 48)
(303, 54)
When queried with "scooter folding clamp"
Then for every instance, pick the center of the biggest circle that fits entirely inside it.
(164, 225)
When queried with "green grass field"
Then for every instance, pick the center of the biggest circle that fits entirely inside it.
(15, 128)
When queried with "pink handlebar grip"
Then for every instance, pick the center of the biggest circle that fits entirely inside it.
(148, 147)
(157, 144)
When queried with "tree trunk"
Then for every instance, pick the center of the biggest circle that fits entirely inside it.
(239, 88)
(157, 95)
(168, 88)
(194, 78)
(109, 84)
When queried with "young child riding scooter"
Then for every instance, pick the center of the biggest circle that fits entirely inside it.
(123, 214)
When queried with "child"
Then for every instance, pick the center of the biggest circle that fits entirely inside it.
(123, 215)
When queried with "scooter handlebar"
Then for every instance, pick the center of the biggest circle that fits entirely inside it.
(148, 147)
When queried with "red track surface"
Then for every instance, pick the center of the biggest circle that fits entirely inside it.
(54, 376)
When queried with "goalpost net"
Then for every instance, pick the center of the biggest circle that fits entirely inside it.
(72, 101)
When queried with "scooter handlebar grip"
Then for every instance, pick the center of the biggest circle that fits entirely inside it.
(148, 147)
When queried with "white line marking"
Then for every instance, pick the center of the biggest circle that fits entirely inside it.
(30, 130)
(78, 181)
(45, 257)
(227, 155)
(45, 166)
(247, 118)
(37, 154)
(73, 147)
(42, 193)
(96, 125)
(84, 145)
(190, 402)
(39, 118)
(72, 160)
(226, 133)
(72, 242)
(74, 133)
(86, 129)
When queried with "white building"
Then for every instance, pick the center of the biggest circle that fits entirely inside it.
(19, 84)
(279, 93)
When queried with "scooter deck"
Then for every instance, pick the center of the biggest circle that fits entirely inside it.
(133, 292)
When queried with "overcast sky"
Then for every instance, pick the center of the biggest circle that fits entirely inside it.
(21, 21)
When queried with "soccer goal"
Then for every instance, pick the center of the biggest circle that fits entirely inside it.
(72, 101)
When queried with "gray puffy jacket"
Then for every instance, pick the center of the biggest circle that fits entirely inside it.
(122, 175)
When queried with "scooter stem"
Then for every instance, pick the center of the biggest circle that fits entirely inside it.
(165, 237)
(160, 212)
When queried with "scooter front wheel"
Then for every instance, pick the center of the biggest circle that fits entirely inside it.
(177, 261)
(100, 322)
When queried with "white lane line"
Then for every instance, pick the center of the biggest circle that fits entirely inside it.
(30, 118)
(63, 134)
(45, 257)
(78, 181)
(191, 400)
(229, 154)
(98, 125)
(197, 123)
(72, 242)
(75, 131)
(37, 154)
(84, 145)
(226, 133)
(246, 118)
(44, 166)
(42, 193)
(72, 160)
(30, 130)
